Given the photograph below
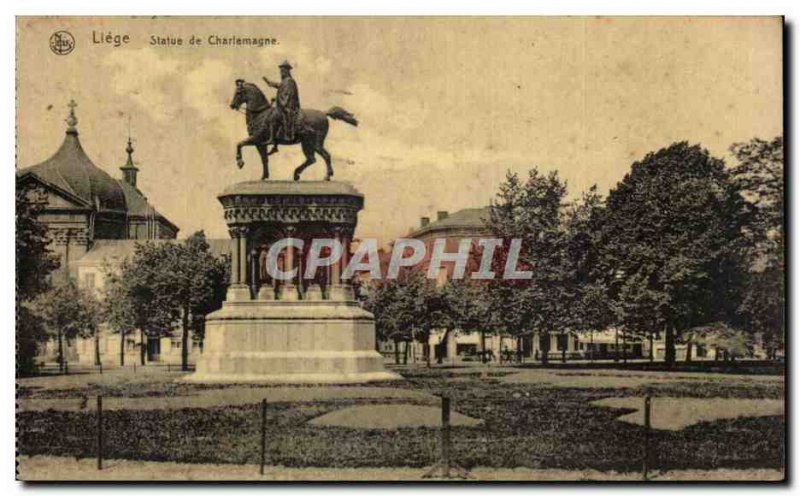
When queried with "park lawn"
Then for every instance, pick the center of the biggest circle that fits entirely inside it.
(523, 425)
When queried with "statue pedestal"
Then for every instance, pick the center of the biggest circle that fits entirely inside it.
(290, 342)
(322, 336)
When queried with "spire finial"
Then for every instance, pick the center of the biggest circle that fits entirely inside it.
(71, 120)
(129, 148)
(129, 170)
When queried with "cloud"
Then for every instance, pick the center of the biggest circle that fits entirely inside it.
(152, 81)
(208, 88)
(380, 111)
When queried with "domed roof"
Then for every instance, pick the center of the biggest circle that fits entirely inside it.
(71, 170)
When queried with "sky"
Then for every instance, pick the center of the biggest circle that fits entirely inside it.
(446, 106)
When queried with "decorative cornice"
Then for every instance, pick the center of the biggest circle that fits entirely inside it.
(340, 209)
(238, 231)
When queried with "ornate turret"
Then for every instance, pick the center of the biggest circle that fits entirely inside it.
(129, 170)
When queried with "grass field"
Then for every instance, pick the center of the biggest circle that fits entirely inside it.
(542, 420)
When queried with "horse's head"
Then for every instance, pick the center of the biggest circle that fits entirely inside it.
(238, 95)
(249, 94)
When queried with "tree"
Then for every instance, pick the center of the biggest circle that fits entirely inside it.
(120, 305)
(34, 259)
(208, 287)
(67, 312)
(30, 332)
(168, 284)
(762, 309)
(408, 308)
(466, 308)
(674, 228)
(731, 342)
(592, 309)
(532, 211)
(759, 175)
(384, 301)
(34, 264)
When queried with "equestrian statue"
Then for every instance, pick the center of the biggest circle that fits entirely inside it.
(284, 123)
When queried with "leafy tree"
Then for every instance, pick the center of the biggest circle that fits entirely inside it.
(466, 308)
(731, 342)
(674, 228)
(418, 307)
(120, 306)
(210, 285)
(763, 310)
(759, 175)
(67, 312)
(30, 332)
(34, 259)
(34, 264)
(168, 285)
(592, 309)
(139, 295)
(384, 300)
(532, 211)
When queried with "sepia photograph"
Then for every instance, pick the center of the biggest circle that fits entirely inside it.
(422, 249)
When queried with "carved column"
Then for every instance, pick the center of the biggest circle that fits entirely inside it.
(340, 289)
(313, 286)
(290, 289)
(266, 291)
(346, 283)
(253, 271)
(238, 290)
(234, 251)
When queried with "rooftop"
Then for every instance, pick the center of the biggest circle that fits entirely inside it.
(73, 172)
(113, 251)
(468, 218)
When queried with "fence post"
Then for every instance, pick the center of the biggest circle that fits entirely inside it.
(99, 433)
(446, 465)
(446, 435)
(101, 368)
(646, 455)
(263, 435)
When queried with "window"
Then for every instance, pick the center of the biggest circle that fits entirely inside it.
(466, 349)
(562, 342)
(88, 280)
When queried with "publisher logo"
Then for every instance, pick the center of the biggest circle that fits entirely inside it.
(62, 42)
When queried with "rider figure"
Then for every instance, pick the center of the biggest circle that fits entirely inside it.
(288, 102)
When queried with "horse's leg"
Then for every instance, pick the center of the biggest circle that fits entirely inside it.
(308, 151)
(250, 141)
(320, 148)
(262, 150)
(239, 161)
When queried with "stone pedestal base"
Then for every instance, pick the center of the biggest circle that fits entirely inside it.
(290, 342)
(238, 292)
(341, 292)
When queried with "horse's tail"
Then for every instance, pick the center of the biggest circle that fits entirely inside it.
(341, 114)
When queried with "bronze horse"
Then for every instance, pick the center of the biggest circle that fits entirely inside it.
(310, 134)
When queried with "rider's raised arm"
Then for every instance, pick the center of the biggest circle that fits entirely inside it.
(270, 83)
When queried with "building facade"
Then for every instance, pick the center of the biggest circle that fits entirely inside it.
(95, 221)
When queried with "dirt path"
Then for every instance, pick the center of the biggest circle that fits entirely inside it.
(43, 468)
